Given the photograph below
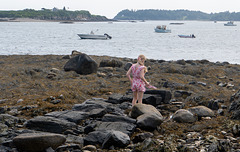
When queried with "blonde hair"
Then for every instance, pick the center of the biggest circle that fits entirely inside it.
(140, 61)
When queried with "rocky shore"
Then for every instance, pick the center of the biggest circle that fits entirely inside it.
(83, 103)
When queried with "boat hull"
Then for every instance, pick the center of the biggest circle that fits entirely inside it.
(186, 36)
(230, 25)
(93, 36)
(162, 30)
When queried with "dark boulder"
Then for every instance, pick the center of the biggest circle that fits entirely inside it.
(127, 66)
(38, 142)
(116, 139)
(81, 64)
(149, 121)
(95, 138)
(49, 124)
(164, 94)
(72, 116)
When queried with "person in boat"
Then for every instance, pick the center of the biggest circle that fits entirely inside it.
(138, 81)
(193, 36)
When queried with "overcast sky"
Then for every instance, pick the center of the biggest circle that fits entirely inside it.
(110, 8)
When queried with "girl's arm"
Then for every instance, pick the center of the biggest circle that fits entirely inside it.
(129, 74)
(142, 73)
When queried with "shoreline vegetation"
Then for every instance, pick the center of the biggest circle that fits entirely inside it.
(31, 15)
(36, 89)
(50, 15)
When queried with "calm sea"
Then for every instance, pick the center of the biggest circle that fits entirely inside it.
(214, 41)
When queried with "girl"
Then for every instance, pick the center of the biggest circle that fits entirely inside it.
(138, 80)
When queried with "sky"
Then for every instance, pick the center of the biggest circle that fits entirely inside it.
(110, 8)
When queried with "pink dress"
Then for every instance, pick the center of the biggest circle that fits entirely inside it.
(137, 83)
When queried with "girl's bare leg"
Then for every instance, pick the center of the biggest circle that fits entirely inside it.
(140, 96)
(135, 97)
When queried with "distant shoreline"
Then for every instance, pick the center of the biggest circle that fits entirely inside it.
(38, 20)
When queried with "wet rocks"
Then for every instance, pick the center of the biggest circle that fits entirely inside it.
(109, 122)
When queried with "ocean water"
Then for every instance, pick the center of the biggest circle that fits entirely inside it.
(214, 41)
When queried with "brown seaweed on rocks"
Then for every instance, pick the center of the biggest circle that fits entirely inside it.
(35, 85)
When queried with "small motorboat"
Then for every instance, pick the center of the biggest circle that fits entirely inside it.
(187, 36)
(176, 23)
(230, 23)
(95, 36)
(162, 29)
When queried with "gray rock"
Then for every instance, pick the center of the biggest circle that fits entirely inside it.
(149, 121)
(184, 116)
(139, 109)
(201, 111)
(96, 137)
(115, 98)
(125, 105)
(116, 139)
(74, 139)
(115, 118)
(81, 64)
(49, 124)
(127, 128)
(97, 113)
(90, 104)
(165, 94)
(38, 142)
(115, 110)
(154, 100)
(72, 116)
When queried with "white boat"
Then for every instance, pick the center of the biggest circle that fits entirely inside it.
(162, 29)
(230, 23)
(94, 36)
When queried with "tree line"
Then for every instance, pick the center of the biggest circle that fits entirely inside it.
(153, 14)
(48, 14)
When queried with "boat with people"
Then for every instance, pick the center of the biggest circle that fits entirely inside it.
(162, 29)
(230, 23)
(95, 36)
(187, 36)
